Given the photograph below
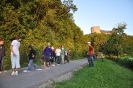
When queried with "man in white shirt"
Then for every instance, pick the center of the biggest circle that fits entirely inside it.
(58, 52)
(15, 57)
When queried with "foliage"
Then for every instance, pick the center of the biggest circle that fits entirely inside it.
(43, 21)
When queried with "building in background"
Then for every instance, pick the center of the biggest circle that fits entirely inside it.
(96, 29)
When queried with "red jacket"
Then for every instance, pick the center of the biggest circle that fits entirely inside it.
(90, 51)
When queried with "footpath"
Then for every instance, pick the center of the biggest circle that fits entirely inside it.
(37, 77)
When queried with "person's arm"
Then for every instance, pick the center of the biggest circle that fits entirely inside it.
(4, 51)
(11, 48)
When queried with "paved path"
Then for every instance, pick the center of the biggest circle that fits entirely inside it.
(36, 77)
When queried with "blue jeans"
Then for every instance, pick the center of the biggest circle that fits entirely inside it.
(30, 65)
(90, 61)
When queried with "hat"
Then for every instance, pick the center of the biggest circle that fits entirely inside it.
(89, 42)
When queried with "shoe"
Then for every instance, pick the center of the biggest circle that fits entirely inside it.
(13, 73)
(44, 67)
(16, 73)
(38, 69)
(53, 65)
(26, 71)
(0, 72)
(48, 68)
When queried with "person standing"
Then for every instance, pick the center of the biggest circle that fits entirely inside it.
(2, 54)
(90, 55)
(58, 53)
(31, 56)
(15, 56)
(67, 55)
(102, 57)
(62, 54)
(47, 51)
(53, 56)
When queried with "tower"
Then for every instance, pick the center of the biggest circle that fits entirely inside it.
(95, 29)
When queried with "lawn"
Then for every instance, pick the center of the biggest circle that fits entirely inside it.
(105, 74)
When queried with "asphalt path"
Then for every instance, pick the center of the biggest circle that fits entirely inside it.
(37, 77)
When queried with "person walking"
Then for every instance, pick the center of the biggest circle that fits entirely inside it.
(15, 56)
(90, 55)
(2, 54)
(31, 56)
(47, 51)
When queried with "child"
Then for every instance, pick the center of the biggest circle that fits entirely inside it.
(31, 56)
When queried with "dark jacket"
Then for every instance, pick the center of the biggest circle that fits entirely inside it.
(32, 52)
(2, 51)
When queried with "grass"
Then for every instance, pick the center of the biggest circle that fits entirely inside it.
(105, 74)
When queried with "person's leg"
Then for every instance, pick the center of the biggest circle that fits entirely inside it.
(13, 64)
(67, 59)
(92, 63)
(55, 60)
(90, 60)
(57, 57)
(29, 65)
(102, 60)
(62, 58)
(34, 65)
(17, 62)
(0, 64)
(45, 63)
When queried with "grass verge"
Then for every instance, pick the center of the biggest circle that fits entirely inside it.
(105, 74)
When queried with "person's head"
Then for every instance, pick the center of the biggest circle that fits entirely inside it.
(48, 44)
(59, 47)
(89, 43)
(30, 47)
(62, 46)
(1, 41)
(19, 38)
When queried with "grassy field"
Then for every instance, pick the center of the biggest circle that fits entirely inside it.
(105, 74)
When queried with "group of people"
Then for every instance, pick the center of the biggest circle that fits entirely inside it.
(55, 56)
(51, 56)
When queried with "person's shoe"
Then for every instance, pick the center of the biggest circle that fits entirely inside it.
(47, 67)
(0, 72)
(44, 67)
(28, 71)
(53, 65)
(16, 73)
(13, 73)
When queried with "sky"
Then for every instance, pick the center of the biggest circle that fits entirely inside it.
(104, 13)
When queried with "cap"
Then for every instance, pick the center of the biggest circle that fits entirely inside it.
(89, 42)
